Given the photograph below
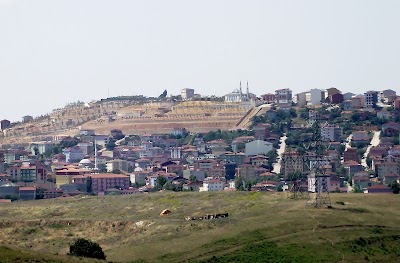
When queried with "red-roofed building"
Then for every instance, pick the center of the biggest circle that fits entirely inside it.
(268, 175)
(52, 193)
(27, 193)
(336, 98)
(212, 184)
(261, 131)
(247, 171)
(102, 182)
(269, 97)
(65, 174)
(391, 178)
(351, 155)
(28, 172)
(391, 129)
(379, 189)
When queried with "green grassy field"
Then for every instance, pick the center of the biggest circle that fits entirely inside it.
(261, 227)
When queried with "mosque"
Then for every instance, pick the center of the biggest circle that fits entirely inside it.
(238, 96)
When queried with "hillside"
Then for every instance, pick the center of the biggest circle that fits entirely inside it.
(8, 255)
(131, 117)
(260, 226)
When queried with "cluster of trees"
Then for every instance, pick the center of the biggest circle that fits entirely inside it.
(111, 144)
(280, 123)
(367, 118)
(65, 143)
(228, 136)
(243, 185)
(283, 121)
(139, 98)
(395, 187)
(163, 184)
(86, 248)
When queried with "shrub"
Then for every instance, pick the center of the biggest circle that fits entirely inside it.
(86, 248)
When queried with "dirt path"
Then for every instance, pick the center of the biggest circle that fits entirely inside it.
(280, 151)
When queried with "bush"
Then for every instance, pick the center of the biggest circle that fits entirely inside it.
(86, 248)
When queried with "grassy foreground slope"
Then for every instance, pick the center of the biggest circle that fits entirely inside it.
(261, 227)
(8, 255)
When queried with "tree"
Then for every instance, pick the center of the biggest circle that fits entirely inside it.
(163, 95)
(193, 178)
(110, 145)
(395, 188)
(248, 185)
(56, 149)
(68, 142)
(239, 184)
(102, 167)
(168, 186)
(86, 248)
(36, 150)
(39, 193)
(357, 189)
(89, 188)
(272, 155)
(160, 181)
(355, 117)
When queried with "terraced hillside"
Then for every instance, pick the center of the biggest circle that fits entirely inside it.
(196, 116)
(261, 227)
(130, 117)
(60, 121)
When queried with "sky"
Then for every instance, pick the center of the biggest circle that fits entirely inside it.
(56, 52)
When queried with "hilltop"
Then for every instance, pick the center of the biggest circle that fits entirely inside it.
(133, 117)
(260, 226)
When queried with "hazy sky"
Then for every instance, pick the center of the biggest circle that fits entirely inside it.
(54, 52)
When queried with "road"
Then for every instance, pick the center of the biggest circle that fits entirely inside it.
(280, 151)
(374, 142)
(348, 145)
(348, 141)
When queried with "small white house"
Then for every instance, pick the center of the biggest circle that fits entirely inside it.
(258, 147)
(212, 184)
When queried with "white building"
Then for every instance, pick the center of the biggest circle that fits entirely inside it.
(258, 147)
(311, 97)
(371, 98)
(348, 96)
(283, 98)
(315, 96)
(331, 132)
(234, 96)
(139, 176)
(117, 164)
(87, 132)
(187, 94)
(42, 147)
(102, 140)
(238, 96)
(301, 99)
(176, 152)
(212, 184)
(73, 154)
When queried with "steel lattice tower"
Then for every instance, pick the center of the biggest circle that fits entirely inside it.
(318, 181)
(295, 191)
